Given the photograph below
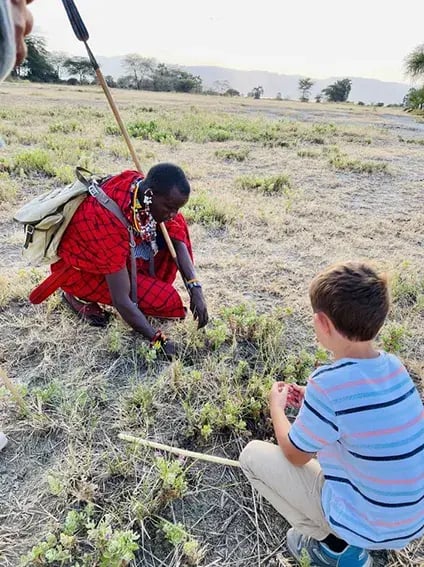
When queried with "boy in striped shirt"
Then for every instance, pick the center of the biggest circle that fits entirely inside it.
(362, 418)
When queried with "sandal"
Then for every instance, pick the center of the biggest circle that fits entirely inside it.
(88, 312)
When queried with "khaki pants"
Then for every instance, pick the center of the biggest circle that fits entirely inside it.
(295, 492)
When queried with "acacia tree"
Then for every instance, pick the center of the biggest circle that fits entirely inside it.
(338, 91)
(36, 66)
(304, 87)
(232, 92)
(414, 99)
(57, 60)
(172, 78)
(257, 92)
(414, 63)
(140, 68)
(221, 87)
(81, 67)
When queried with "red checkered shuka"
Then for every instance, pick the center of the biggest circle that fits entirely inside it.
(96, 244)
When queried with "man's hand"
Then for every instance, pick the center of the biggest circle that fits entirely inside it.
(169, 349)
(278, 397)
(198, 307)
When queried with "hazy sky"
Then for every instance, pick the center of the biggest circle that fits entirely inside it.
(318, 38)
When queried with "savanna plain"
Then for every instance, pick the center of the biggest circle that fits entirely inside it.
(279, 191)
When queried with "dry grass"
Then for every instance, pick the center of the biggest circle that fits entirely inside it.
(255, 256)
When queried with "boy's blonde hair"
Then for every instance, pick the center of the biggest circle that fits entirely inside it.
(354, 297)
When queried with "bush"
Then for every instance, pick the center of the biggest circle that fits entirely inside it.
(149, 131)
(342, 162)
(232, 155)
(304, 153)
(206, 211)
(274, 185)
(8, 188)
(80, 538)
(34, 161)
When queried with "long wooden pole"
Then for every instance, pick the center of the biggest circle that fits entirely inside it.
(178, 451)
(130, 146)
(82, 35)
(131, 149)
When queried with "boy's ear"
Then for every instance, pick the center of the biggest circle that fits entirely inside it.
(322, 322)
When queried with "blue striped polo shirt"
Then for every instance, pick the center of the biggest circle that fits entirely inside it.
(365, 420)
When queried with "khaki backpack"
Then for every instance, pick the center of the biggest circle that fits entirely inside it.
(45, 220)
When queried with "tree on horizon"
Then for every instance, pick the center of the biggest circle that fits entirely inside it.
(57, 59)
(414, 63)
(305, 84)
(414, 99)
(140, 68)
(81, 67)
(338, 91)
(37, 66)
(256, 92)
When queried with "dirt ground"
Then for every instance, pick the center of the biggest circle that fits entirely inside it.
(355, 191)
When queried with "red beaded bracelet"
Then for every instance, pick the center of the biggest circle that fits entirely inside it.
(158, 340)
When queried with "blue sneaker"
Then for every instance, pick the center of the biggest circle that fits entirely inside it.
(321, 556)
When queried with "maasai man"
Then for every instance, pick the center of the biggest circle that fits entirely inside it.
(94, 264)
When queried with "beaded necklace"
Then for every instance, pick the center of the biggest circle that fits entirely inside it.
(143, 221)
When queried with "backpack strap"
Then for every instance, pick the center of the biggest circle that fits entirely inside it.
(97, 192)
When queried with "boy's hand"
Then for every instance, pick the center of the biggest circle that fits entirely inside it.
(278, 397)
(295, 395)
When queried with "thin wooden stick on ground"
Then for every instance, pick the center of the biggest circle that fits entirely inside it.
(8, 384)
(178, 451)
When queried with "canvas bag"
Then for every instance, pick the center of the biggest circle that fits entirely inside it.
(45, 220)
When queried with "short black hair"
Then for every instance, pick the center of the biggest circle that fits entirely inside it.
(161, 178)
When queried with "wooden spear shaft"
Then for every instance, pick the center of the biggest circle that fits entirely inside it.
(81, 33)
(131, 149)
(178, 451)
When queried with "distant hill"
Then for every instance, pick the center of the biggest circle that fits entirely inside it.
(365, 90)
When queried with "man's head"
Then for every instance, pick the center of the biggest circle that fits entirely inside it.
(351, 300)
(170, 189)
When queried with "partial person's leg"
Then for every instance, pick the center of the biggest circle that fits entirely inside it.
(295, 492)
(81, 292)
(159, 299)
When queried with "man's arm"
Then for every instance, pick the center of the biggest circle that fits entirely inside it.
(277, 405)
(119, 287)
(197, 301)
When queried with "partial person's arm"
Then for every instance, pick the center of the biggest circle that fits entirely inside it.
(22, 18)
(197, 301)
(119, 287)
(277, 404)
